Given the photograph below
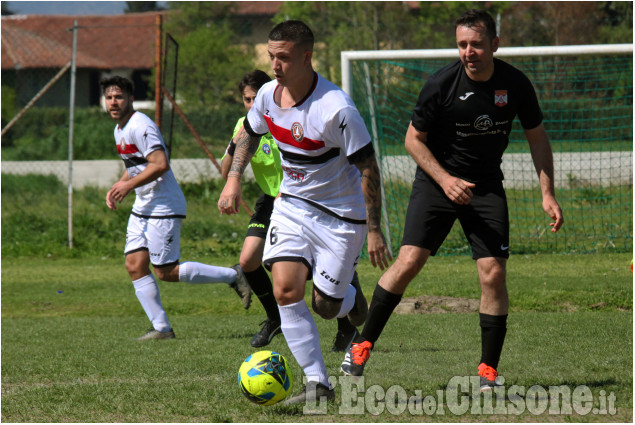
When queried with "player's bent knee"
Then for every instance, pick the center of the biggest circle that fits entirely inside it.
(411, 265)
(326, 309)
(286, 296)
(137, 269)
(167, 274)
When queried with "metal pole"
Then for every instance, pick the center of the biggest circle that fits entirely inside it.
(71, 124)
(498, 24)
(158, 77)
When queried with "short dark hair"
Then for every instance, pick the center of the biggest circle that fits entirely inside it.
(295, 31)
(255, 79)
(475, 18)
(116, 80)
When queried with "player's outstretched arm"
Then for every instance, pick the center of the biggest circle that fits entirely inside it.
(371, 187)
(246, 146)
(542, 156)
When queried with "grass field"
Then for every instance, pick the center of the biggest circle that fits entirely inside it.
(69, 354)
(70, 319)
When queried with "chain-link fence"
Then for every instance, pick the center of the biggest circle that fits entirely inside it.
(36, 80)
(36, 87)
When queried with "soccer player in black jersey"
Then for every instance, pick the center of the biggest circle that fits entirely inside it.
(457, 135)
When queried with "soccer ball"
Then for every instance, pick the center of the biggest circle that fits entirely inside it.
(265, 378)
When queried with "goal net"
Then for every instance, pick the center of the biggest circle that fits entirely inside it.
(586, 94)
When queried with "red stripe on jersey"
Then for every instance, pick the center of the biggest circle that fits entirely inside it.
(284, 135)
(128, 149)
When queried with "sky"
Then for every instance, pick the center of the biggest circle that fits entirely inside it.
(67, 7)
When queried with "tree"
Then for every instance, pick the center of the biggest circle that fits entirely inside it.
(436, 20)
(5, 9)
(342, 26)
(211, 60)
(141, 6)
(378, 25)
(563, 23)
(617, 24)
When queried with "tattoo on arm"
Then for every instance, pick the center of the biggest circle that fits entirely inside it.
(246, 147)
(371, 187)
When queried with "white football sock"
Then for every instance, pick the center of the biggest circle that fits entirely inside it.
(348, 302)
(303, 340)
(193, 272)
(147, 292)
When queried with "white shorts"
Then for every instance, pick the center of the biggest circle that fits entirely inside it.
(160, 236)
(327, 245)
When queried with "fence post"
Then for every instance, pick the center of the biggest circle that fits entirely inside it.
(158, 77)
(71, 125)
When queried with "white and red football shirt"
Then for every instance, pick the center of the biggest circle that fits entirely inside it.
(162, 197)
(316, 138)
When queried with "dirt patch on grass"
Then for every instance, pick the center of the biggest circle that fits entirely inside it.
(427, 304)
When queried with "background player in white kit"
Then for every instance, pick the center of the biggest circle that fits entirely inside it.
(330, 196)
(153, 234)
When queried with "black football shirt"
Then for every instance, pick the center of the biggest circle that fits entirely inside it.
(468, 122)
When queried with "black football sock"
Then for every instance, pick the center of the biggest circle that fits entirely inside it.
(493, 330)
(381, 307)
(261, 285)
(344, 325)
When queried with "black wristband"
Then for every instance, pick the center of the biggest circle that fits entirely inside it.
(231, 148)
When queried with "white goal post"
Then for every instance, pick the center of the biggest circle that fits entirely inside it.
(587, 95)
(587, 49)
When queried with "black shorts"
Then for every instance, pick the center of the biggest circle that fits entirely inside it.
(485, 220)
(259, 223)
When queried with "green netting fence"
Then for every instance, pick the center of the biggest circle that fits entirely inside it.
(587, 101)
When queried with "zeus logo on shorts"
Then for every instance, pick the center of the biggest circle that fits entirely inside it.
(329, 278)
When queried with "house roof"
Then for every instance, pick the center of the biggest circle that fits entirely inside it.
(103, 42)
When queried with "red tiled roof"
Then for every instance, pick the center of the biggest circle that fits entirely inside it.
(103, 42)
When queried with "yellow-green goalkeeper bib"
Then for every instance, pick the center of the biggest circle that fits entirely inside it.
(265, 163)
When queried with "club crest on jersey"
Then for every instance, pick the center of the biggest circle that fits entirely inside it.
(122, 144)
(297, 132)
(266, 148)
(500, 97)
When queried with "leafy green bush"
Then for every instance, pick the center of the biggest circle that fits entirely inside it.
(42, 134)
(35, 220)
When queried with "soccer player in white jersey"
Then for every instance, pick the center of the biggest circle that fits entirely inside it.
(329, 197)
(153, 235)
